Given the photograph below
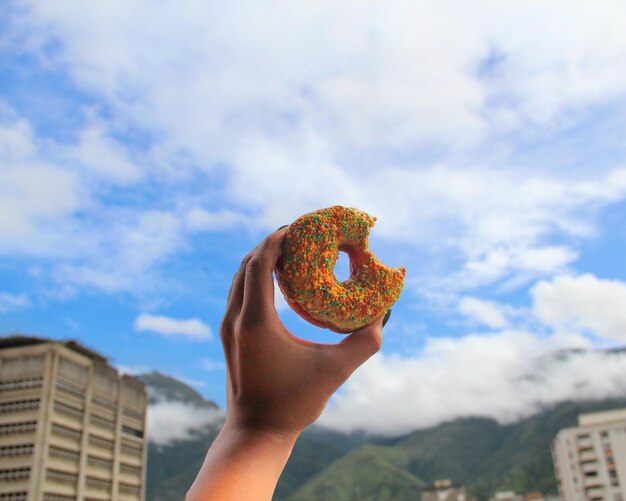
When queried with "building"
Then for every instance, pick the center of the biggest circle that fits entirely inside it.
(512, 496)
(590, 459)
(444, 490)
(71, 427)
(507, 496)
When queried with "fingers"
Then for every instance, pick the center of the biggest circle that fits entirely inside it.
(355, 349)
(258, 297)
(235, 301)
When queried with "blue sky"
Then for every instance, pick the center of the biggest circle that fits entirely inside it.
(144, 149)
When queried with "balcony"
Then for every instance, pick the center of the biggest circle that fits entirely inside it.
(595, 494)
(589, 467)
(587, 455)
(591, 482)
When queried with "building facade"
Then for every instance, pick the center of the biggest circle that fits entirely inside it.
(71, 427)
(444, 490)
(590, 459)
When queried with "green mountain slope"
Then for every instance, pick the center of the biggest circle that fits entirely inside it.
(314, 451)
(369, 473)
(480, 453)
(172, 468)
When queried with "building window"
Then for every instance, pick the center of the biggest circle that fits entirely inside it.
(65, 432)
(13, 496)
(131, 449)
(130, 469)
(100, 442)
(129, 489)
(13, 474)
(50, 496)
(103, 402)
(64, 454)
(133, 413)
(16, 450)
(68, 410)
(101, 422)
(70, 389)
(18, 428)
(19, 406)
(132, 431)
(21, 384)
(97, 462)
(61, 477)
(99, 484)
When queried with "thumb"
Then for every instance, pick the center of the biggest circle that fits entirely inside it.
(355, 349)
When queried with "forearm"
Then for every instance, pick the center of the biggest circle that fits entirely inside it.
(242, 465)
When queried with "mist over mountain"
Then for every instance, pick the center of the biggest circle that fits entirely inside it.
(483, 453)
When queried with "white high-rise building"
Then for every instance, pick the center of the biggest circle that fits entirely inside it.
(71, 427)
(590, 459)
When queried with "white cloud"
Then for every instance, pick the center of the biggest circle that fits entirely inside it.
(49, 207)
(190, 328)
(506, 376)
(199, 219)
(35, 196)
(419, 72)
(174, 421)
(121, 250)
(102, 156)
(584, 303)
(10, 302)
(485, 312)
(410, 115)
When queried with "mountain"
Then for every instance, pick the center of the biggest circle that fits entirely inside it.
(162, 387)
(368, 473)
(480, 453)
(173, 467)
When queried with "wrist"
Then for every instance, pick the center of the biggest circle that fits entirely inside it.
(243, 464)
(270, 435)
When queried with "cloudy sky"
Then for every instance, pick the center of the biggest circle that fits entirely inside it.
(145, 147)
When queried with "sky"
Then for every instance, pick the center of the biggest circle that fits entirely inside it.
(146, 147)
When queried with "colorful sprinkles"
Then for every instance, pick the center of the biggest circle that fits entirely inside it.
(305, 271)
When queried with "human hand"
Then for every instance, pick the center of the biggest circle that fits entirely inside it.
(276, 381)
(277, 384)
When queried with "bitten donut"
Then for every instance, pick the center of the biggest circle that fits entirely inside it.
(305, 271)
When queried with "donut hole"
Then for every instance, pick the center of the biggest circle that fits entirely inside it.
(342, 267)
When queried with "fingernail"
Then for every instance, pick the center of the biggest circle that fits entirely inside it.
(283, 226)
(387, 317)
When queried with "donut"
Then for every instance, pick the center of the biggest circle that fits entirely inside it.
(305, 271)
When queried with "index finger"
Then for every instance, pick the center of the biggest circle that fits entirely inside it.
(259, 283)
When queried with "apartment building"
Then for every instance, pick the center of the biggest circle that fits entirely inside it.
(590, 459)
(71, 427)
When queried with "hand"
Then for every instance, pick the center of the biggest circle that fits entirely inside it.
(277, 384)
(277, 381)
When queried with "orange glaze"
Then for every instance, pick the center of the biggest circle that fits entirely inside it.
(305, 271)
